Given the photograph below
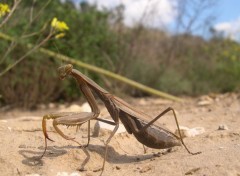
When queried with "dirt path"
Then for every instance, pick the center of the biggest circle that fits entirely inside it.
(22, 143)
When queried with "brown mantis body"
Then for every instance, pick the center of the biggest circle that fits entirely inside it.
(137, 123)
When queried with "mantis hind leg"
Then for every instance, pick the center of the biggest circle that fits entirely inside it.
(175, 117)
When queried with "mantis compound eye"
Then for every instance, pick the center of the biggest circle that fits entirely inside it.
(65, 70)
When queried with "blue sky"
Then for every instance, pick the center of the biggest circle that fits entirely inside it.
(228, 10)
(163, 15)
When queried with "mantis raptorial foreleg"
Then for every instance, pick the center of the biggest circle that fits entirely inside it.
(67, 119)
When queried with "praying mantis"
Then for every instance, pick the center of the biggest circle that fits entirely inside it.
(141, 125)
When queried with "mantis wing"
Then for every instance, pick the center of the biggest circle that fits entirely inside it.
(124, 106)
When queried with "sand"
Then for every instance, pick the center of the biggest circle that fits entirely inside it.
(22, 142)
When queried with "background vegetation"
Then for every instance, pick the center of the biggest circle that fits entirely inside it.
(180, 64)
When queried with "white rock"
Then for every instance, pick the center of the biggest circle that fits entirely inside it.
(72, 108)
(62, 174)
(204, 103)
(205, 100)
(3, 121)
(68, 174)
(107, 128)
(187, 132)
(183, 130)
(142, 101)
(9, 128)
(196, 131)
(85, 107)
(51, 105)
(75, 174)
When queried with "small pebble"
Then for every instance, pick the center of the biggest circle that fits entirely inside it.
(82, 169)
(169, 150)
(157, 154)
(22, 146)
(222, 127)
(118, 168)
(145, 169)
(142, 101)
(192, 171)
(165, 151)
(97, 170)
(89, 174)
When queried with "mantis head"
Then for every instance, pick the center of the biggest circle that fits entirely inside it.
(65, 70)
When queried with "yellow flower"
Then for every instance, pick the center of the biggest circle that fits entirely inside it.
(60, 35)
(59, 25)
(4, 9)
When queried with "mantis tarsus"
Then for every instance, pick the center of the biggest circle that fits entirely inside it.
(137, 123)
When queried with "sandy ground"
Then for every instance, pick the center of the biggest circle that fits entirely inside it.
(22, 143)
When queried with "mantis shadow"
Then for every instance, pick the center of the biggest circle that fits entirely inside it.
(30, 160)
(33, 158)
(114, 157)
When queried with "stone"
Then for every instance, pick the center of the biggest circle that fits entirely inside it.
(101, 127)
(205, 101)
(187, 132)
(222, 127)
(85, 107)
